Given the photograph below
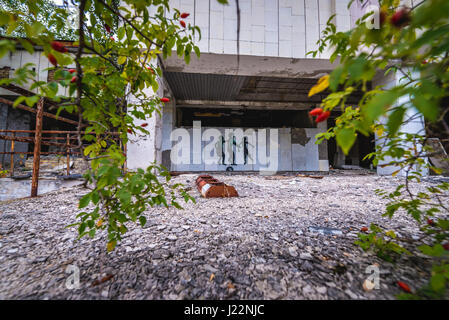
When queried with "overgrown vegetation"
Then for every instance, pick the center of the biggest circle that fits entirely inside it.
(413, 45)
(112, 85)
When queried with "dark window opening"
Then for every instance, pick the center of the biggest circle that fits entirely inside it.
(244, 118)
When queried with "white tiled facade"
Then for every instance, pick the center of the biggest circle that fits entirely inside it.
(275, 28)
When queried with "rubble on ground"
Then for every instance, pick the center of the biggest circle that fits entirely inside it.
(280, 239)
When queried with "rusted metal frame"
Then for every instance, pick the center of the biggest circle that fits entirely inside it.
(26, 93)
(31, 140)
(56, 131)
(68, 153)
(12, 156)
(37, 148)
(42, 153)
(32, 110)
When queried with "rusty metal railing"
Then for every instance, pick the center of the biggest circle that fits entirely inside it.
(64, 140)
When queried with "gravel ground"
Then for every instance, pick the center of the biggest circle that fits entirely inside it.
(257, 246)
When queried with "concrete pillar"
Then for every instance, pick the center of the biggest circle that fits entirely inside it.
(414, 126)
(142, 150)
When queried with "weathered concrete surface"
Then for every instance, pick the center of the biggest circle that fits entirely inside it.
(226, 64)
(14, 189)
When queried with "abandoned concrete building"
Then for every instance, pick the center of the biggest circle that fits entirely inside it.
(266, 85)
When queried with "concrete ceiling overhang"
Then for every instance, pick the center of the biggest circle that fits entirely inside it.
(226, 64)
(258, 83)
(213, 90)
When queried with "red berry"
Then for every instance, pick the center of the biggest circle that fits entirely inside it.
(74, 78)
(165, 100)
(52, 59)
(364, 229)
(400, 18)
(446, 246)
(182, 23)
(316, 112)
(72, 70)
(151, 69)
(130, 131)
(108, 28)
(184, 15)
(322, 117)
(404, 286)
(430, 222)
(144, 124)
(57, 46)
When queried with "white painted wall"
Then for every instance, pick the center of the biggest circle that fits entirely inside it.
(279, 28)
(414, 126)
(143, 149)
(19, 58)
(291, 156)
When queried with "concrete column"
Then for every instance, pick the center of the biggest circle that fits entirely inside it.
(414, 126)
(142, 150)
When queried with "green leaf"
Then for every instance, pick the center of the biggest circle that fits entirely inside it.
(18, 101)
(111, 245)
(334, 79)
(197, 51)
(27, 45)
(121, 60)
(378, 104)
(438, 282)
(142, 220)
(395, 120)
(345, 138)
(84, 201)
(124, 196)
(428, 107)
(121, 33)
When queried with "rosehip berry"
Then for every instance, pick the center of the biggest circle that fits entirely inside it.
(430, 222)
(400, 18)
(165, 100)
(144, 124)
(130, 131)
(74, 78)
(72, 70)
(404, 286)
(108, 28)
(52, 59)
(182, 23)
(57, 46)
(322, 117)
(364, 229)
(184, 15)
(316, 112)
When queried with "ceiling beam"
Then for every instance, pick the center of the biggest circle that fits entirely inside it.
(259, 105)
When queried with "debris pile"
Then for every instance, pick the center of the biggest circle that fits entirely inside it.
(209, 187)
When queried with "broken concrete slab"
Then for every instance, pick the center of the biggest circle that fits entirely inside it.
(326, 231)
(15, 189)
